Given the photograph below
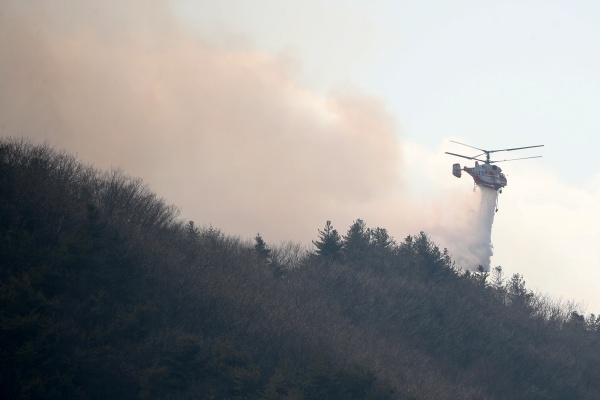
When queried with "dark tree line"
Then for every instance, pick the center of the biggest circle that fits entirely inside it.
(360, 244)
(104, 293)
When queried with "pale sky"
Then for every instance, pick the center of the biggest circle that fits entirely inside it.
(273, 116)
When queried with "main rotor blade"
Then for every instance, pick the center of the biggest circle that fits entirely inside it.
(477, 148)
(468, 158)
(495, 151)
(517, 148)
(514, 159)
(460, 155)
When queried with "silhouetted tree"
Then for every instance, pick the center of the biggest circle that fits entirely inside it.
(381, 240)
(329, 246)
(497, 278)
(289, 255)
(480, 276)
(426, 255)
(517, 293)
(593, 323)
(356, 243)
(261, 249)
(191, 231)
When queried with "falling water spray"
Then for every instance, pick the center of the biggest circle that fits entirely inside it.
(482, 247)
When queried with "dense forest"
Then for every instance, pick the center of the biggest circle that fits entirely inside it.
(106, 293)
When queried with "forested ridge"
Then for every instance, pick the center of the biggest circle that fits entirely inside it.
(106, 293)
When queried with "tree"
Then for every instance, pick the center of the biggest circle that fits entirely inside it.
(426, 255)
(329, 245)
(191, 231)
(261, 249)
(517, 293)
(381, 246)
(381, 240)
(480, 276)
(356, 242)
(593, 323)
(497, 278)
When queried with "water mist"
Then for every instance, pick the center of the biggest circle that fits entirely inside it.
(482, 247)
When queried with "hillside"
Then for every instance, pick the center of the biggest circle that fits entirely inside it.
(105, 293)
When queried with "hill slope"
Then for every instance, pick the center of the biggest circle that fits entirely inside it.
(105, 293)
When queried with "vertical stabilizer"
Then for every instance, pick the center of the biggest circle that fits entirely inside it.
(456, 170)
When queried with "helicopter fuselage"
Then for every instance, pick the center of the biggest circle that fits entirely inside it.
(487, 175)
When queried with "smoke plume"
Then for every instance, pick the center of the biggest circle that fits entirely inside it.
(227, 134)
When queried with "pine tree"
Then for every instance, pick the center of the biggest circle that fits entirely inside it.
(356, 242)
(480, 276)
(329, 245)
(382, 244)
(261, 249)
(518, 294)
(191, 231)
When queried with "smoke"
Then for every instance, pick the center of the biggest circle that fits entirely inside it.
(229, 135)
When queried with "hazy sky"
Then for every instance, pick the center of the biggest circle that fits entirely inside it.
(274, 116)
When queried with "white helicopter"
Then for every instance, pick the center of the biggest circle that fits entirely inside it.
(486, 174)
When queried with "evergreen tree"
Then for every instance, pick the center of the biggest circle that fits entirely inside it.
(329, 245)
(497, 278)
(381, 244)
(191, 231)
(261, 249)
(356, 242)
(480, 276)
(426, 254)
(381, 238)
(518, 294)
(497, 283)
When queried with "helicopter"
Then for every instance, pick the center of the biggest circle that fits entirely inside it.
(486, 174)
